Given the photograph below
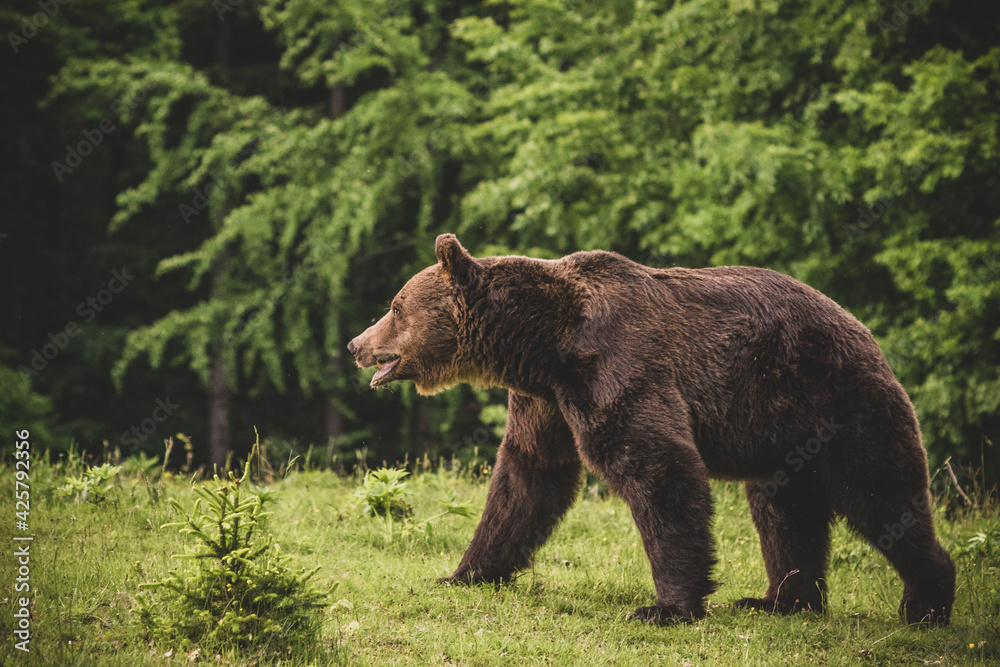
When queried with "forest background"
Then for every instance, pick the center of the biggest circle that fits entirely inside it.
(204, 201)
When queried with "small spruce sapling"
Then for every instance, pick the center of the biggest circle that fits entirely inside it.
(239, 591)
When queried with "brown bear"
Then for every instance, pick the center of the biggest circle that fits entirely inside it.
(657, 380)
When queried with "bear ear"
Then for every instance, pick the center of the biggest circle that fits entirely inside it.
(456, 260)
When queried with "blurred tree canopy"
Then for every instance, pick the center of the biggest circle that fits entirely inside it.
(283, 166)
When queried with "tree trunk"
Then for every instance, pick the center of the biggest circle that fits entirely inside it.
(420, 434)
(219, 395)
(334, 422)
(337, 100)
(218, 411)
(334, 419)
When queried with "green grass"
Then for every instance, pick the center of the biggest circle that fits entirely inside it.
(87, 561)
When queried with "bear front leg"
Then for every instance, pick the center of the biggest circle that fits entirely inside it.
(534, 482)
(666, 487)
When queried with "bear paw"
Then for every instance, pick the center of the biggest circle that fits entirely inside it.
(468, 578)
(925, 615)
(773, 606)
(665, 615)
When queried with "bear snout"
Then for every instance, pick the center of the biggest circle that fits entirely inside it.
(361, 351)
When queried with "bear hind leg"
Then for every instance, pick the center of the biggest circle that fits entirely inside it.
(903, 532)
(794, 527)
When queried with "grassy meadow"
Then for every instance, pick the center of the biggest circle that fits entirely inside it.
(88, 560)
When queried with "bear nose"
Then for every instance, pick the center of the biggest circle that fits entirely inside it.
(352, 348)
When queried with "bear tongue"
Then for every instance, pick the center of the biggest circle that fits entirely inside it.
(384, 369)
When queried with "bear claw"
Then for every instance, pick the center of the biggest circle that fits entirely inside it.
(470, 579)
(923, 616)
(773, 606)
(664, 615)
(459, 580)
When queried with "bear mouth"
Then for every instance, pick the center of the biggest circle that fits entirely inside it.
(385, 366)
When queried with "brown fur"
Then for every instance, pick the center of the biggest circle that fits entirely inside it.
(657, 380)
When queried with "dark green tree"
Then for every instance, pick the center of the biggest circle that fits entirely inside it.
(852, 145)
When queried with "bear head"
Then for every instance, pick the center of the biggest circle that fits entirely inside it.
(419, 338)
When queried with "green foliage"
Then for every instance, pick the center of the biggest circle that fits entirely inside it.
(240, 592)
(21, 408)
(450, 505)
(568, 609)
(850, 144)
(94, 485)
(981, 545)
(979, 561)
(142, 466)
(797, 137)
(382, 493)
(341, 42)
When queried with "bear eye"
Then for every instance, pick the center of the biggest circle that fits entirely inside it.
(395, 310)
